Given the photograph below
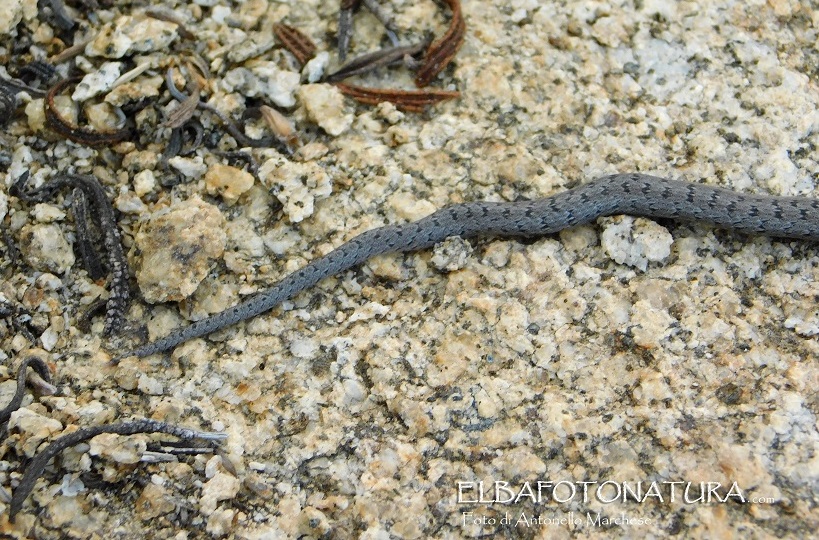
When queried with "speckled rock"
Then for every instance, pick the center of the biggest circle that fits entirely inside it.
(35, 114)
(12, 14)
(45, 248)
(256, 44)
(72, 515)
(314, 69)
(191, 167)
(228, 182)
(145, 87)
(97, 82)
(47, 213)
(132, 34)
(34, 427)
(263, 79)
(636, 241)
(410, 208)
(296, 185)
(4, 205)
(144, 182)
(118, 448)
(150, 385)
(325, 106)
(178, 246)
(451, 254)
(103, 117)
(154, 502)
(221, 487)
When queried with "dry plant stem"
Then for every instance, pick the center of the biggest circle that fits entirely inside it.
(71, 51)
(442, 51)
(61, 16)
(301, 46)
(241, 139)
(279, 124)
(408, 100)
(40, 461)
(384, 18)
(194, 59)
(177, 140)
(41, 368)
(84, 318)
(10, 87)
(12, 252)
(241, 159)
(184, 111)
(173, 147)
(120, 294)
(8, 103)
(369, 62)
(42, 386)
(19, 318)
(73, 132)
(345, 26)
(172, 89)
(41, 70)
(132, 74)
(345, 30)
(85, 244)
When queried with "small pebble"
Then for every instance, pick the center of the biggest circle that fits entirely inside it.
(122, 449)
(325, 106)
(131, 34)
(451, 254)
(45, 248)
(636, 241)
(228, 182)
(314, 69)
(193, 168)
(97, 82)
(179, 245)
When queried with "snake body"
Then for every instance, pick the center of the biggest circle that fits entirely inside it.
(634, 194)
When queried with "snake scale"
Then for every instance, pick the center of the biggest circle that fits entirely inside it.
(634, 194)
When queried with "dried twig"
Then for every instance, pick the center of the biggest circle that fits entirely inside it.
(8, 103)
(40, 461)
(41, 368)
(9, 89)
(230, 125)
(345, 26)
(301, 46)
(408, 100)
(184, 111)
(384, 18)
(74, 132)
(369, 62)
(41, 70)
(61, 16)
(279, 125)
(85, 244)
(345, 23)
(442, 51)
(71, 51)
(19, 318)
(84, 318)
(239, 158)
(120, 295)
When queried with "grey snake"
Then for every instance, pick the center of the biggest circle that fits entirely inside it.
(634, 194)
